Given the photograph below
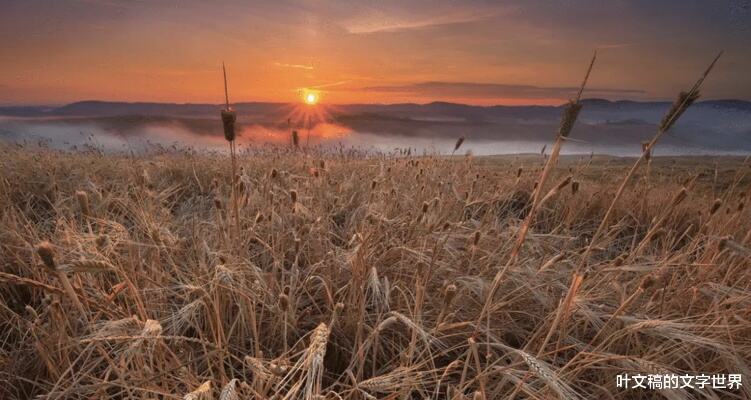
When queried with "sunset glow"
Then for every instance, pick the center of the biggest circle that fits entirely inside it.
(311, 98)
(472, 52)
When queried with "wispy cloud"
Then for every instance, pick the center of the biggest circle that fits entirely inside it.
(296, 66)
(614, 45)
(389, 23)
(493, 90)
(119, 4)
(329, 85)
(170, 72)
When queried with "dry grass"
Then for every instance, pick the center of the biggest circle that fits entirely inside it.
(143, 292)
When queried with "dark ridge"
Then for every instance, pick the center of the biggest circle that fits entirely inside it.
(111, 108)
(24, 111)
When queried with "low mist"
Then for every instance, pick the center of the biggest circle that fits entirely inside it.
(615, 128)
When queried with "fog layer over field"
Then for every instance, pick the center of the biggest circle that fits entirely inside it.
(617, 128)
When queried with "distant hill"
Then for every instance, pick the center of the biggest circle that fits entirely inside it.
(96, 108)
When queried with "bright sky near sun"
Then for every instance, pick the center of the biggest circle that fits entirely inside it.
(363, 51)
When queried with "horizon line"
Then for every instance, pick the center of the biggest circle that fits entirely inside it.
(58, 105)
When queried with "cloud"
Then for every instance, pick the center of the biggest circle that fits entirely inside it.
(116, 4)
(296, 66)
(366, 27)
(390, 21)
(328, 85)
(495, 90)
(614, 45)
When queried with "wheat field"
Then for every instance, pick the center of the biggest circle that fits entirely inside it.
(353, 276)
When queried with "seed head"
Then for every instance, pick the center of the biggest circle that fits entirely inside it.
(47, 254)
(685, 99)
(228, 120)
(723, 244)
(295, 139)
(278, 369)
(83, 202)
(199, 393)
(569, 118)
(449, 294)
(715, 206)
(646, 150)
(284, 302)
(647, 282)
(230, 391)
(680, 196)
(562, 184)
(619, 260)
(102, 240)
(458, 143)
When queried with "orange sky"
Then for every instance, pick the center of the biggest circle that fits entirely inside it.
(476, 52)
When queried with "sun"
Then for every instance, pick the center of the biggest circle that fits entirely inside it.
(310, 98)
